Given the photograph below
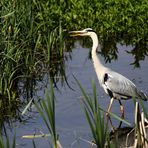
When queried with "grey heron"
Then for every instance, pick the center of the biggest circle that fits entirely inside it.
(114, 84)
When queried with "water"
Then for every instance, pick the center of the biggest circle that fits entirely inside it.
(71, 124)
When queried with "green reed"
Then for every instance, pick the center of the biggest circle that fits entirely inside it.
(6, 142)
(46, 110)
(28, 44)
(94, 117)
(29, 49)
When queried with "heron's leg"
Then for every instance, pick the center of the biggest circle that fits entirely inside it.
(107, 113)
(122, 113)
(109, 107)
(121, 109)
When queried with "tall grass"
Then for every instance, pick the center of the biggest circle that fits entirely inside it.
(30, 47)
(95, 117)
(47, 112)
(6, 142)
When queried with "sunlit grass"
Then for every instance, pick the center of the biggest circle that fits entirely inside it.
(29, 50)
(29, 44)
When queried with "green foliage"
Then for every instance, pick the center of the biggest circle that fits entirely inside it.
(30, 40)
(114, 21)
(118, 18)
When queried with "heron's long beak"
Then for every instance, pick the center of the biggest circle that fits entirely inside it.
(77, 33)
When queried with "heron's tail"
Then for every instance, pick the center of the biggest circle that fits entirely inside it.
(142, 96)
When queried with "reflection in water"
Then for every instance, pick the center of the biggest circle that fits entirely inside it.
(110, 51)
(25, 87)
(9, 112)
(139, 52)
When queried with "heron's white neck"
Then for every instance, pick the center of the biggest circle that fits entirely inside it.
(99, 68)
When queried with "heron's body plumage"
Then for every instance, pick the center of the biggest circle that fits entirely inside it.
(121, 87)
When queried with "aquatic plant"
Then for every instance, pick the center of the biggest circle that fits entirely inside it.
(95, 118)
(6, 142)
(46, 110)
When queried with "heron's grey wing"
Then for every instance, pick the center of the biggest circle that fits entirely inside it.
(118, 84)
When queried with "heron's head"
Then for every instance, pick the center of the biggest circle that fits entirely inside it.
(85, 32)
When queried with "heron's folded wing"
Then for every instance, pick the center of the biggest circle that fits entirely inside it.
(119, 84)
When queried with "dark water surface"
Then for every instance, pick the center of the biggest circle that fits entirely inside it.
(70, 120)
